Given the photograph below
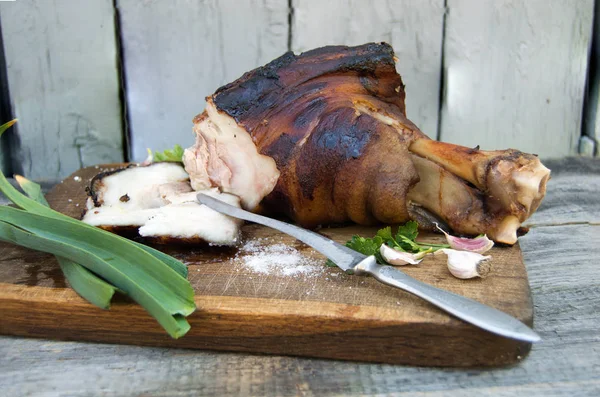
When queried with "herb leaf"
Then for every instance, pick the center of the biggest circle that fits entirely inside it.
(367, 246)
(410, 230)
(174, 155)
(404, 240)
(386, 233)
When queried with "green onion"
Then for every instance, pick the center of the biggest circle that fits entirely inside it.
(153, 279)
(39, 205)
(87, 284)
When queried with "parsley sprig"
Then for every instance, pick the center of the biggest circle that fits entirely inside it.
(403, 240)
(174, 155)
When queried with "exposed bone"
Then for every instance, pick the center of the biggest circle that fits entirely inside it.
(515, 179)
(446, 195)
(461, 206)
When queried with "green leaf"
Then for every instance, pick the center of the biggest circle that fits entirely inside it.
(172, 321)
(160, 290)
(410, 230)
(403, 241)
(156, 284)
(87, 284)
(32, 189)
(34, 206)
(172, 155)
(168, 260)
(363, 245)
(6, 126)
(367, 246)
(385, 233)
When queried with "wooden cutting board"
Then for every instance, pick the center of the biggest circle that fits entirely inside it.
(321, 313)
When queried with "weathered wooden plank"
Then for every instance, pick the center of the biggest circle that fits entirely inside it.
(515, 74)
(177, 53)
(568, 313)
(571, 195)
(563, 272)
(62, 72)
(592, 111)
(414, 29)
(317, 314)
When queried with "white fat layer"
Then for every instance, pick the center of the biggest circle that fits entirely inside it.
(140, 185)
(194, 220)
(168, 209)
(224, 155)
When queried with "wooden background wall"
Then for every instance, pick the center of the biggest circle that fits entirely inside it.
(102, 80)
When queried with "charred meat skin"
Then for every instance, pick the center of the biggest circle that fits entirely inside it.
(333, 121)
(302, 112)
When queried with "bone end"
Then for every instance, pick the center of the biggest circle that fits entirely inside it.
(506, 232)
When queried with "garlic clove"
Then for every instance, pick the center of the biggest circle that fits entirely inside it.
(399, 258)
(466, 264)
(479, 245)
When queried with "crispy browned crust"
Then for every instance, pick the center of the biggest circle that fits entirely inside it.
(125, 231)
(337, 161)
(170, 240)
(96, 184)
(131, 232)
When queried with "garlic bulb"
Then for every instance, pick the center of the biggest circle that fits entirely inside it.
(399, 258)
(479, 245)
(465, 264)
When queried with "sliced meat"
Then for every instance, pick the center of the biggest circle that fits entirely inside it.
(158, 202)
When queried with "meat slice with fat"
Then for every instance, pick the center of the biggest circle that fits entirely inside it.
(158, 203)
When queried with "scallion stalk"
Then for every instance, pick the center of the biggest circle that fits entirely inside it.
(87, 284)
(153, 279)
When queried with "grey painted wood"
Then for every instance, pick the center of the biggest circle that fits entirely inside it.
(592, 110)
(178, 52)
(413, 28)
(572, 195)
(587, 146)
(61, 61)
(562, 261)
(515, 74)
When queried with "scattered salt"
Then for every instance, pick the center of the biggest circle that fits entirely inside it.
(70, 201)
(277, 259)
(77, 178)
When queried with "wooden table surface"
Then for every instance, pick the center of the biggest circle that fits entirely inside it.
(562, 254)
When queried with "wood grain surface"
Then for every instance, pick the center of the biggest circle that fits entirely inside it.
(562, 261)
(321, 314)
(61, 59)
